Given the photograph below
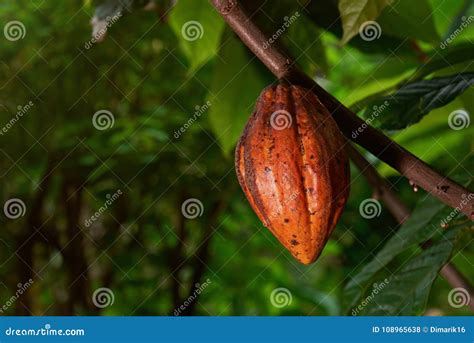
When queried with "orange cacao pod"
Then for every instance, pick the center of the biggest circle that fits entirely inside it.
(293, 168)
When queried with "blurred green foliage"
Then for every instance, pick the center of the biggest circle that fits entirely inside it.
(164, 145)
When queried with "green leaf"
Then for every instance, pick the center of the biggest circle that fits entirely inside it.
(354, 13)
(303, 39)
(422, 225)
(446, 13)
(414, 100)
(433, 131)
(406, 291)
(236, 85)
(198, 28)
(410, 19)
(453, 55)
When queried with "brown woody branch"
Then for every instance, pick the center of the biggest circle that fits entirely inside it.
(374, 141)
(401, 213)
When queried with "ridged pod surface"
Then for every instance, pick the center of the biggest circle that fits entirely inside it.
(293, 168)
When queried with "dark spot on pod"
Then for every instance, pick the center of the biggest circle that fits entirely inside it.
(294, 236)
(312, 157)
(267, 169)
(294, 242)
(287, 220)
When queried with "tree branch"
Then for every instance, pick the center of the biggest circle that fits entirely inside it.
(398, 209)
(374, 141)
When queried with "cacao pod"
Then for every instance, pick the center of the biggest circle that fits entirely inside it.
(293, 168)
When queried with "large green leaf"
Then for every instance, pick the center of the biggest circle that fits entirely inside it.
(237, 82)
(409, 19)
(198, 28)
(422, 225)
(413, 101)
(432, 137)
(406, 291)
(354, 13)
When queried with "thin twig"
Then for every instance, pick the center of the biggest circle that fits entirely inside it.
(374, 141)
